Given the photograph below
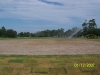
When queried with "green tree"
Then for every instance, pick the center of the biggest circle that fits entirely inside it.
(21, 34)
(3, 31)
(61, 32)
(90, 28)
(47, 33)
(32, 35)
(14, 34)
(11, 33)
(0, 32)
(92, 24)
(53, 33)
(87, 26)
(26, 34)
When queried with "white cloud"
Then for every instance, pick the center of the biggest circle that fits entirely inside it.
(36, 10)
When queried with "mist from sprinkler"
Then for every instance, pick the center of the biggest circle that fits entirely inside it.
(76, 31)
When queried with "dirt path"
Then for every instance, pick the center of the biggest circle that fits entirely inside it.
(49, 47)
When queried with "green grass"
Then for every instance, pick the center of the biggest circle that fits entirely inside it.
(57, 38)
(36, 38)
(15, 61)
(48, 64)
(95, 39)
(31, 38)
(98, 39)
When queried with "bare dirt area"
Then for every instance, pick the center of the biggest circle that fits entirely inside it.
(49, 46)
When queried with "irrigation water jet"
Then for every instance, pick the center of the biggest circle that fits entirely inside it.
(74, 33)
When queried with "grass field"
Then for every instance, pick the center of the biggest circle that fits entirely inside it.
(49, 65)
(49, 56)
(95, 39)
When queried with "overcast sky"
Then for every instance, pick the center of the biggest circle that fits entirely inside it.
(38, 15)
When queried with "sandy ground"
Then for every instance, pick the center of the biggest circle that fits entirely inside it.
(49, 47)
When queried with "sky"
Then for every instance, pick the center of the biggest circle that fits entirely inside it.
(38, 15)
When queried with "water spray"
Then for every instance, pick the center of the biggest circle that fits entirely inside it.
(74, 33)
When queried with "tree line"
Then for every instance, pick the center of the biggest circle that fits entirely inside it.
(10, 33)
(89, 27)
